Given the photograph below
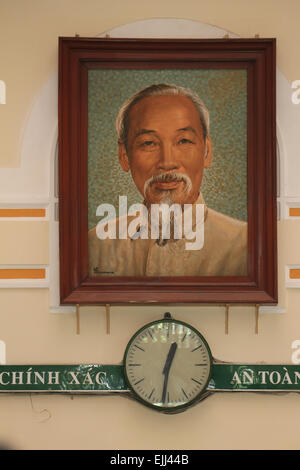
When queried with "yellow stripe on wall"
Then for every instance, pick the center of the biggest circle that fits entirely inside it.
(22, 212)
(22, 273)
(294, 273)
(294, 212)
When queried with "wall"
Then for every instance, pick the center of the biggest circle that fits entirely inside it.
(28, 48)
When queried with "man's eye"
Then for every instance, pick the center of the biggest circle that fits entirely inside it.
(148, 143)
(185, 141)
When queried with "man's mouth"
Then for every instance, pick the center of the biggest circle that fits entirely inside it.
(167, 185)
(167, 181)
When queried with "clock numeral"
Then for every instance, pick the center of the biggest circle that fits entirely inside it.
(183, 337)
(139, 348)
(151, 394)
(134, 365)
(200, 364)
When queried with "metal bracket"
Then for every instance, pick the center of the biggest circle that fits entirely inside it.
(256, 318)
(226, 319)
(107, 307)
(77, 319)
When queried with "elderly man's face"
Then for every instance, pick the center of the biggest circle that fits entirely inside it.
(166, 150)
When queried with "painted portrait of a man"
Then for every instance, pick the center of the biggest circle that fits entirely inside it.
(164, 144)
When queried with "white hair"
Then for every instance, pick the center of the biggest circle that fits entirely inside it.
(122, 121)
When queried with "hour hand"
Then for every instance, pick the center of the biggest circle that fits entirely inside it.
(166, 369)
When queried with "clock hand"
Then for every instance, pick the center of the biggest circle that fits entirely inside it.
(166, 369)
(170, 358)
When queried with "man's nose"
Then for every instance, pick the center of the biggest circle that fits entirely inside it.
(167, 157)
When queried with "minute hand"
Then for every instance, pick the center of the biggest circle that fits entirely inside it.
(166, 369)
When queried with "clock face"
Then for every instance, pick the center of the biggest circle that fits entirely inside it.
(167, 364)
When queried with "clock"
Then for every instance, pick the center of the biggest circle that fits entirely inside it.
(167, 364)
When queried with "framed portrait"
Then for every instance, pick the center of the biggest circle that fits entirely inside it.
(167, 171)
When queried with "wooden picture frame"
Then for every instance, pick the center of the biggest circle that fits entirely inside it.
(79, 55)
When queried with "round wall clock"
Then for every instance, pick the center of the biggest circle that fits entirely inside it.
(167, 364)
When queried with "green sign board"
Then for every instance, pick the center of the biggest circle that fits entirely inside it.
(94, 378)
(255, 377)
(62, 378)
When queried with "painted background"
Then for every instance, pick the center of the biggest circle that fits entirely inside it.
(224, 93)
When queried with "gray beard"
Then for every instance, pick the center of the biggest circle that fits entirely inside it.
(168, 200)
(168, 195)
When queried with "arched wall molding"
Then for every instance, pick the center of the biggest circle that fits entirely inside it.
(35, 180)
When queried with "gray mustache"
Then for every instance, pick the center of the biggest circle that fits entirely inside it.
(168, 177)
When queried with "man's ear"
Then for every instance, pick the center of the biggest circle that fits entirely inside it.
(123, 157)
(208, 154)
